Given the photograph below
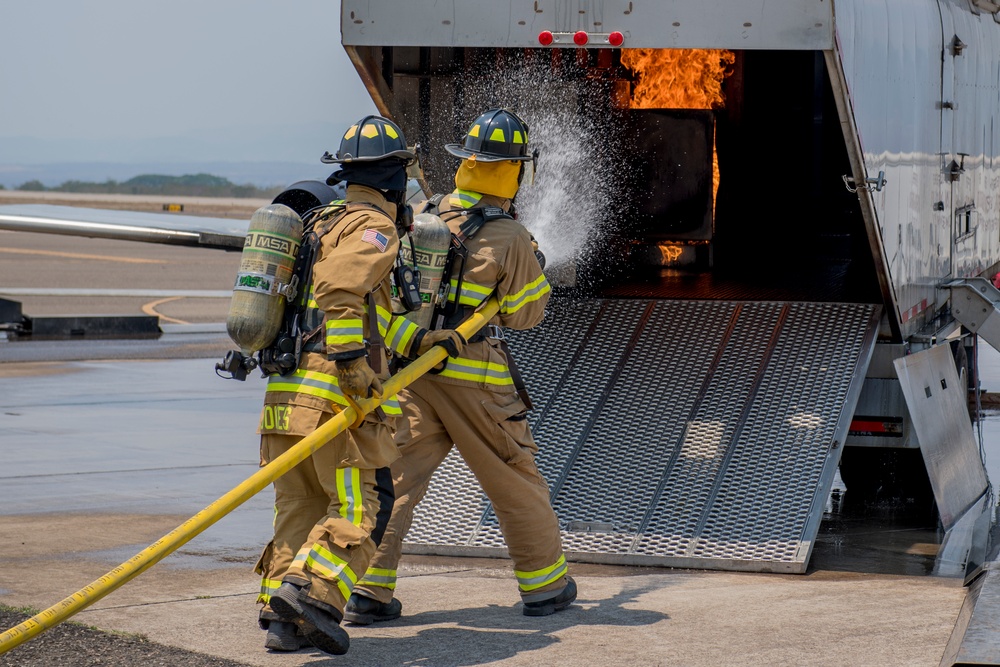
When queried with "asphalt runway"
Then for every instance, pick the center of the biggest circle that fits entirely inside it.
(50, 274)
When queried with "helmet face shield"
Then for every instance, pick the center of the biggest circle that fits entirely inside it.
(529, 169)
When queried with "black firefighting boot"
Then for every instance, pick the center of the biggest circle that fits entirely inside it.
(320, 626)
(284, 636)
(553, 604)
(362, 610)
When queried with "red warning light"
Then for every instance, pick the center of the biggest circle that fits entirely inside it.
(545, 38)
(616, 38)
(580, 38)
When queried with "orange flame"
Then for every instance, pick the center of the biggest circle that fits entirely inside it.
(670, 253)
(678, 78)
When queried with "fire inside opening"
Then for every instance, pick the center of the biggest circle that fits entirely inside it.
(674, 96)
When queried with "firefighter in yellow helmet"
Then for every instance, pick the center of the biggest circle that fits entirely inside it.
(474, 401)
(325, 508)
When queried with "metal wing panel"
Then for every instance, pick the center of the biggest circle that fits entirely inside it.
(702, 448)
(636, 429)
(566, 417)
(222, 233)
(682, 433)
(937, 403)
(783, 453)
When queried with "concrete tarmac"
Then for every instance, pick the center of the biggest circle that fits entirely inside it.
(101, 458)
(109, 445)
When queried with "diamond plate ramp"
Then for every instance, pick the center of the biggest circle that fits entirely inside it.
(681, 433)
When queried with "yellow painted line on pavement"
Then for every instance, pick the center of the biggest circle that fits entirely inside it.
(150, 309)
(79, 255)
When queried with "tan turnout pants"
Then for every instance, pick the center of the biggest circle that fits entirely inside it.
(501, 453)
(323, 519)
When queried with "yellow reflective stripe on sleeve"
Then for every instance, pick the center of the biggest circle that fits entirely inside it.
(529, 581)
(323, 562)
(339, 332)
(400, 333)
(464, 198)
(484, 372)
(350, 494)
(472, 294)
(379, 577)
(267, 589)
(533, 291)
(313, 383)
(321, 385)
(391, 406)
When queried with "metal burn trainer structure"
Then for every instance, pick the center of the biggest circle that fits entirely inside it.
(795, 282)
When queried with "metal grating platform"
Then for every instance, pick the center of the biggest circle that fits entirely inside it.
(699, 434)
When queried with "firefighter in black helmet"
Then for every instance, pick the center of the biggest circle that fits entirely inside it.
(325, 507)
(499, 134)
(477, 400)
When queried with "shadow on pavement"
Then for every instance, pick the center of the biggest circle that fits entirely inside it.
(486, 634)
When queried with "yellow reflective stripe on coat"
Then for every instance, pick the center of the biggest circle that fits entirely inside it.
(323, 562)
(379, 577)
(464, 198)
(339, 332)
(533, 291)
(484, 372)
(472, 294)
(400, 334)
(313, 383)
(384, 317)
(350, 494)
(268, 587)
(321, 385)
(529, 581)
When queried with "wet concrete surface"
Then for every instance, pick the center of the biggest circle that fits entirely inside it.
(153, 437)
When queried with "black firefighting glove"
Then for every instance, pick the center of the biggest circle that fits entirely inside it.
(449, 339)
(357, 378)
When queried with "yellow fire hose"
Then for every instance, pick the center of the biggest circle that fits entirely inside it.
(194, 526)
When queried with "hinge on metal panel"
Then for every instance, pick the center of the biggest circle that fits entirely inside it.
(955, 169)
(957, 46)
(871, 184)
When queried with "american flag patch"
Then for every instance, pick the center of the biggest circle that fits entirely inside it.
(376, 239)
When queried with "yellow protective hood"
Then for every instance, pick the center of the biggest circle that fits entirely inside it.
(490, 178)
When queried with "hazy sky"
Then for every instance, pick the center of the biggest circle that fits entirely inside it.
(199, 80)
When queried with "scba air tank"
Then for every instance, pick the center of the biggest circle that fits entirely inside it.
(259, 296)
(431, 241)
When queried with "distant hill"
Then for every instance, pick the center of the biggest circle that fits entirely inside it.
(264, 175)
(193, 185)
